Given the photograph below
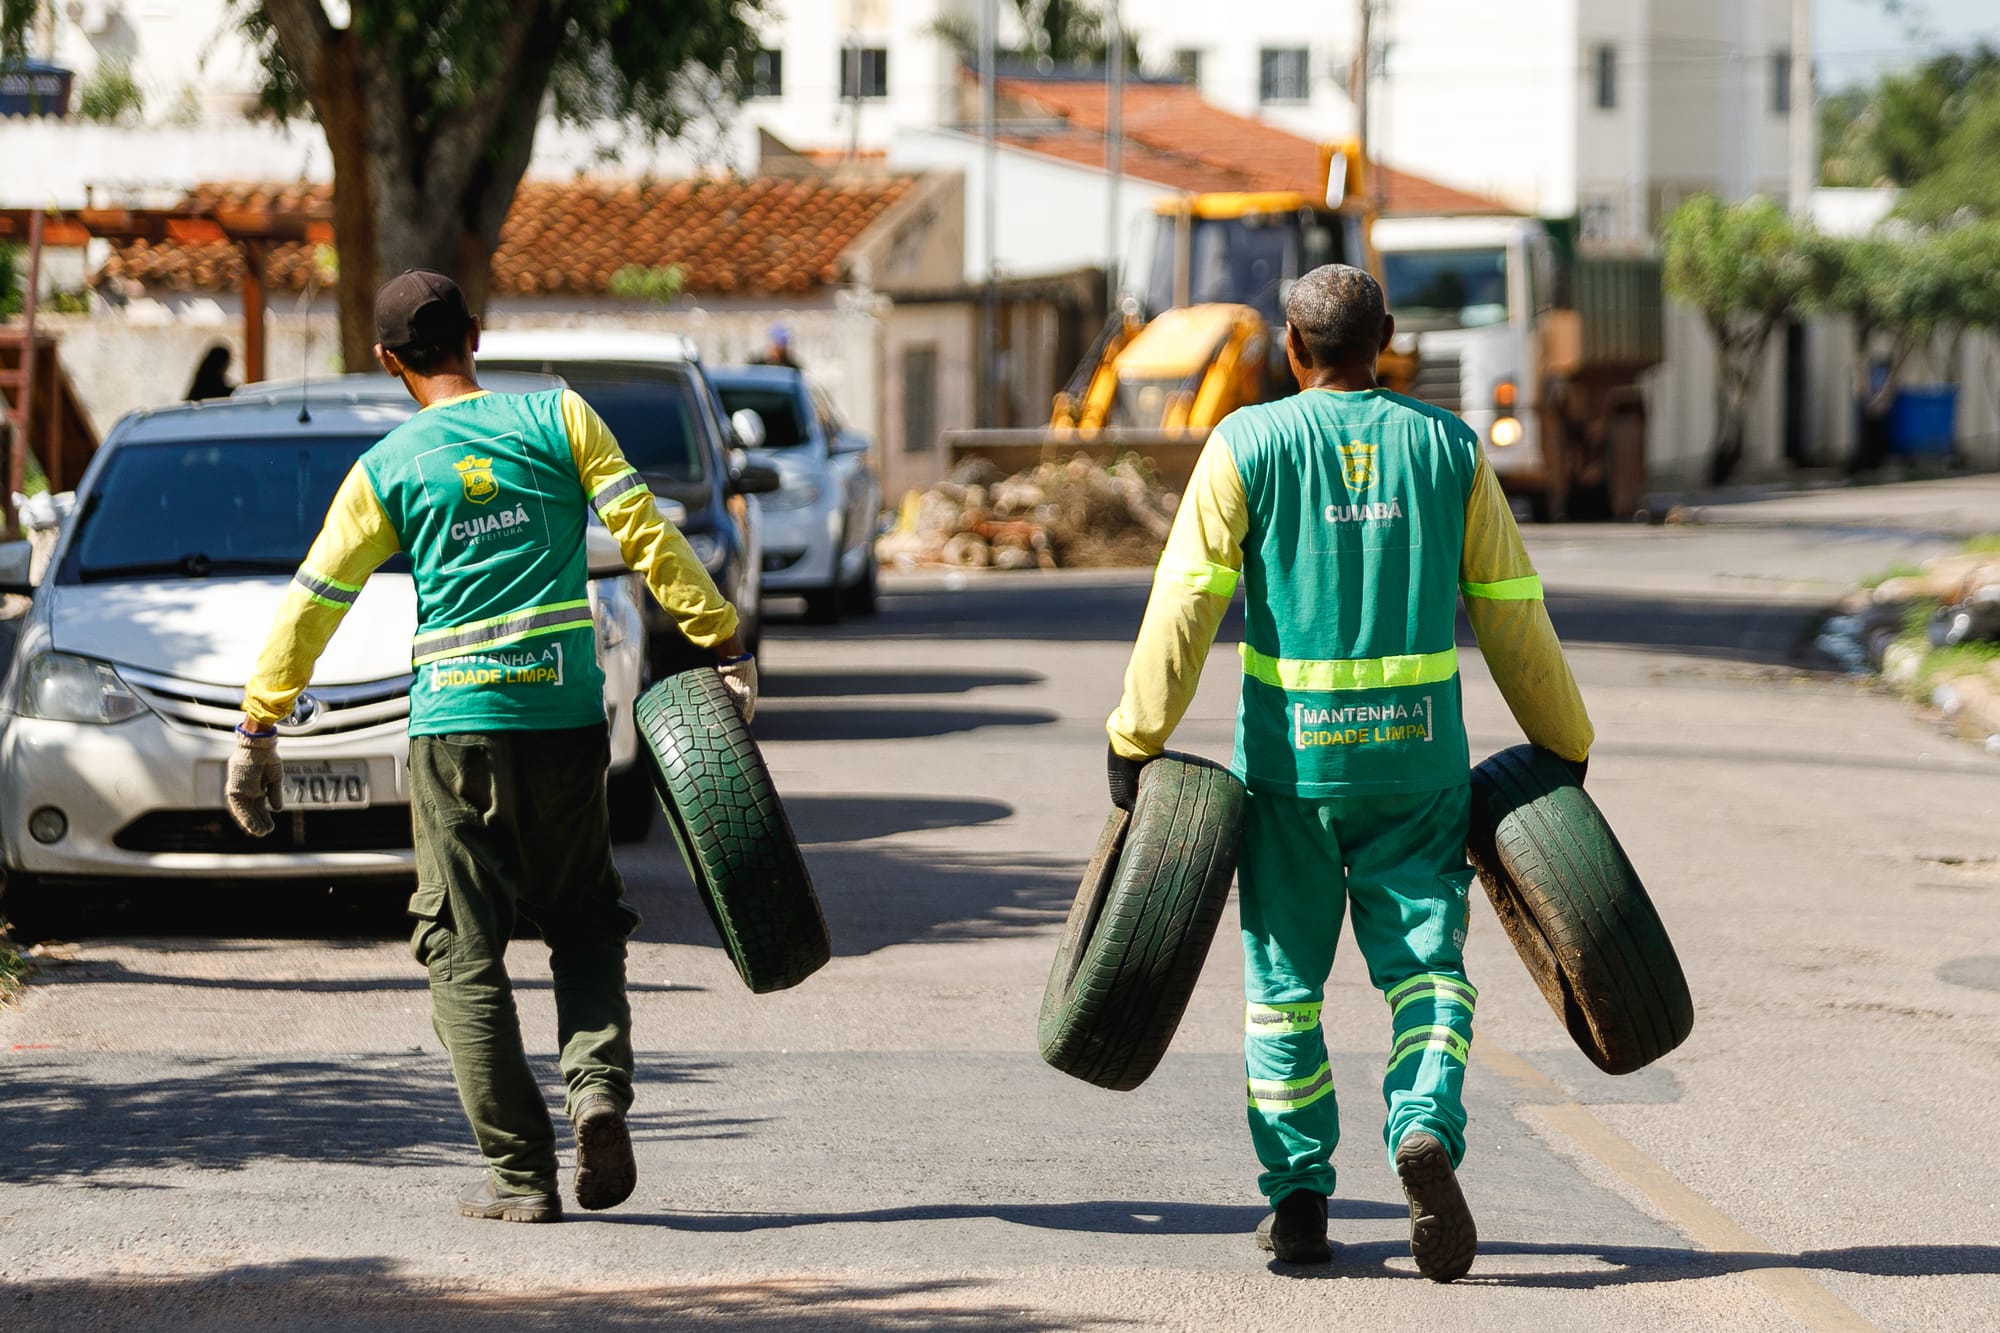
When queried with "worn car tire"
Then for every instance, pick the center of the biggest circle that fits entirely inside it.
(731, 829)
(863, 598)
(1569, 899)
(1144, 918)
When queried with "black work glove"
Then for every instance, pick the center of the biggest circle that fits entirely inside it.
(1577, 767)
(1123, 776)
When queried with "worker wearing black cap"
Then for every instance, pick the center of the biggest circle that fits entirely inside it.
(489, 494)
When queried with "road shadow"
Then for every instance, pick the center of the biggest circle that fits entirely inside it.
(1027, 607)
(94, 971)
(269, 909)
(1105, 1217)
(1766, 634)
(1628, 1265)
(379, 1295)
(781, 683)
(65, 1121)
(877, 896)
(829, 819)
(817, 722)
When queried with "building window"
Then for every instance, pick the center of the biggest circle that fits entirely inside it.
(1283, 75)
(864, 72)
(1781, 83)
(767, 74)
(920, 389)
(1187, 67)
(1604, 71)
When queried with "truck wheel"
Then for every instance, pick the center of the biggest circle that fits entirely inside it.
(1568, 898)
(1144, 918)
(731, 829)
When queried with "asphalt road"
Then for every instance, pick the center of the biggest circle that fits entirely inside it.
(240, 1115)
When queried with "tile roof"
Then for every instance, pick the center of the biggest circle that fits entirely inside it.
(749, 237)
(1171, 136)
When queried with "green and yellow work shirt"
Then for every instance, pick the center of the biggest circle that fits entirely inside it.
(489, 494)
(1356, 522)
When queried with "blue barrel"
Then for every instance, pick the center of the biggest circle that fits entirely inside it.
(1921, 417)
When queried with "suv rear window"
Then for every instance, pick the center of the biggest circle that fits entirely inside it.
(651, 409)
(779, 407)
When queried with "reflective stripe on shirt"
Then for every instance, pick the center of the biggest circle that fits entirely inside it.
(1359, 673)
(536, 620)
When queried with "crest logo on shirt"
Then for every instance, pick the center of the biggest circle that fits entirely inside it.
(476, 474)
(1357, 465)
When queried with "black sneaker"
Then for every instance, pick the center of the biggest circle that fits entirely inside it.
(480, 1200)
(1296, 1232)
(605, 1171)
(1443, 1239)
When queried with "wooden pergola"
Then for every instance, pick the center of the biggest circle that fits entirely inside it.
(252, 229)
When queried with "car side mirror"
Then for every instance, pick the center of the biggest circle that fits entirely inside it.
(749, 426)
(848, 444)
(748, 478)
(16, 560)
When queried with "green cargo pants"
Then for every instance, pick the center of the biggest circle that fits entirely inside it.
(507, 823)
(1399, 863)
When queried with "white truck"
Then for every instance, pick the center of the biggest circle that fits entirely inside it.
(1538, 344)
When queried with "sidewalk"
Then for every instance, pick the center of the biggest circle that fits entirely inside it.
(1952, 507)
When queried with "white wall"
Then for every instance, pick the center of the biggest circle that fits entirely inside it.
(187, 56)
(1484, 97)
(1051, 214)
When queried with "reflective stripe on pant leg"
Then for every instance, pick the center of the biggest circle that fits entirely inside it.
(1407, 890)
(1289, 885)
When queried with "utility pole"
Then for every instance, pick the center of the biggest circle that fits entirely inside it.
(1357, 90)
(989, 304)
(1114, 153)
(1804, 139)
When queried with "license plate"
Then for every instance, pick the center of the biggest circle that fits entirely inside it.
(325, 784)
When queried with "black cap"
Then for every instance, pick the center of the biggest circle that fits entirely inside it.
(420, 308)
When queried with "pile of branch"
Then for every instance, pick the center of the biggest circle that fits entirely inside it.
(1063, 514)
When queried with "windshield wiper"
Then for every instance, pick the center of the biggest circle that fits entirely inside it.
(194, 565)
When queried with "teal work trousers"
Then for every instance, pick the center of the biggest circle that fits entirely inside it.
(514, 824)
(1397, 863)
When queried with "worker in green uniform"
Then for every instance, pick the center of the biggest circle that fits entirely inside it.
(489, 494)
(1355, 519)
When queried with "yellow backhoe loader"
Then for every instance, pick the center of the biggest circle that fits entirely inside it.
(1200, 331)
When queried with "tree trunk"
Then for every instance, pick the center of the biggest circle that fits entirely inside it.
(404, 199)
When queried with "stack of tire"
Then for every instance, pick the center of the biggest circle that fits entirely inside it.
(1563, 888)
(731, 830)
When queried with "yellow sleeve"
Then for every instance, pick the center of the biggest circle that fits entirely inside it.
(355, 540)
(652, 546)
(1503, 600)
(1191, 590)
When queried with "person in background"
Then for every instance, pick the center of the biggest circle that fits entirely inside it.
(778, 350)
(211, 377)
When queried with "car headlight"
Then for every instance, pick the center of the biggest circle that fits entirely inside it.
(708, 549)
(61, 688)
(801, 494)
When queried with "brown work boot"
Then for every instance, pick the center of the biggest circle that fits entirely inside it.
(605, 1171)
(1443, 1239)
(1295, 1232)
(479, 1199)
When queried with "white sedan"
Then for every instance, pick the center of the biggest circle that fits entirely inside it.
(116, 712)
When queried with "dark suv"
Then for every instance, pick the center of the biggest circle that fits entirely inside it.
(652, 392)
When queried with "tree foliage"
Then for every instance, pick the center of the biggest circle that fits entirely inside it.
(1933, 131)
(1065, 34)
(1743, 266)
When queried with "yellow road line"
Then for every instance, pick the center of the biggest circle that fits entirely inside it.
(1793, 1288)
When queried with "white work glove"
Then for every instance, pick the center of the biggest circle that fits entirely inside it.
(256, 783)
(739, 677)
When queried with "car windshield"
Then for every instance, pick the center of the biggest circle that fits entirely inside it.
(651, 409)
(1448, 289)
(194, 508)
(777, 404)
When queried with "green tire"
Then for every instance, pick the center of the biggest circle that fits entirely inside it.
(731, 829)
(1569, 899)
(1144, 918)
